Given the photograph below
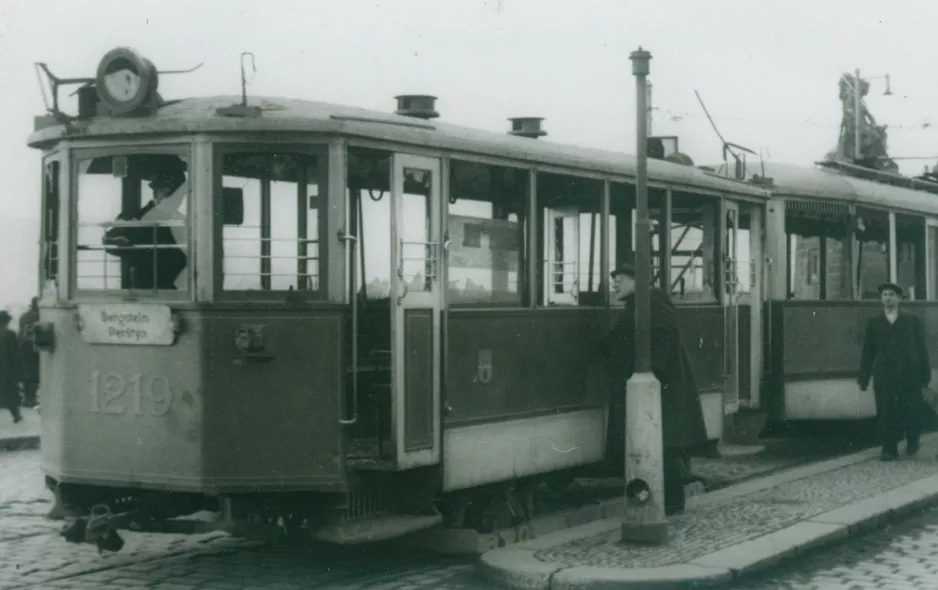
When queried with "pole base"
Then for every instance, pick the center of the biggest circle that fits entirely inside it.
(647, 533)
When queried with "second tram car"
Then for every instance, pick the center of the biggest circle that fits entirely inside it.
(354, 323)
(835, 233)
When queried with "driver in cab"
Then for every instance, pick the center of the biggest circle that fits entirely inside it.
(161, 267)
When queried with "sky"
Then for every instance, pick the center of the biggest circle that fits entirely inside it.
(767, 71)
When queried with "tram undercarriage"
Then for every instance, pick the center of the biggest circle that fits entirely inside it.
(370, 511)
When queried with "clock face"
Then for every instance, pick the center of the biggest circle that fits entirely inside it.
(122, 85)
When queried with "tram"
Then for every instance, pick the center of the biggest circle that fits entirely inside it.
(352, 323)
(835, 232)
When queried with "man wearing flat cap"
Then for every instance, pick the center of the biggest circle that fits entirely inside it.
(681, 415)
(894, 355)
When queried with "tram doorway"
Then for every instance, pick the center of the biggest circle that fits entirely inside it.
(743, 305)
(396, 205)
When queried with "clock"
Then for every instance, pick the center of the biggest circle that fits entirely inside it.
(125, 81)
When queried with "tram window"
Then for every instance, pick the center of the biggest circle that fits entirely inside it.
(368, 176)
(933, 262)
(133, 222)
(276, 245)
(816, 254)
(743, 255)
(622, 218)
(910, 255)
(694, 240)
(50, 221)
(872, 260)
(570, 238)
(486, 226)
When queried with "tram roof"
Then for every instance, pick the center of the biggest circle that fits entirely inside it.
(284, 115)
(814, 182)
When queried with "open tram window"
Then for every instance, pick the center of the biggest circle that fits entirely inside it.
(570, 239)
(369, 196)
(486, 227)
(872, 259)
(622, 220)
(271, 221)
(910, 255)
(818, 263)
(742, 259)
(132, 231)
(694, 228)
(51, 206)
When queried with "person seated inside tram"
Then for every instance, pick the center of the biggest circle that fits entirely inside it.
(149, 268)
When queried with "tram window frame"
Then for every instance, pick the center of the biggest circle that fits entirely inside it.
(184, 151)
(586, 195)
(519, 196)
(711, 247)
(50, 264)
(317, 150)
(822, 227)
(869, 222)
(911, 230)
(623, 198)
(931, 253)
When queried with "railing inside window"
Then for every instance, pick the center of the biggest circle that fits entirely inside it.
(100, 266)
(304, 278)
(274, 244)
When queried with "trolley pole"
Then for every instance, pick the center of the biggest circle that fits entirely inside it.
(644, 520)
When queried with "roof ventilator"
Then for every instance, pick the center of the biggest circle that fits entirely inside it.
(527, 127)
(420, 106)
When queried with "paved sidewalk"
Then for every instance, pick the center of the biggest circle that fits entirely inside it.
(24, 434)
(729, 532)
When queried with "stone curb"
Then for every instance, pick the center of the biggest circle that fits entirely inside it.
(30, 441)
(517, 567)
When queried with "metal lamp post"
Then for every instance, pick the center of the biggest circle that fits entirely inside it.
(644, 520)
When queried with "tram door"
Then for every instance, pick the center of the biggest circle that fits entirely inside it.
(731, 309)
(416, 296)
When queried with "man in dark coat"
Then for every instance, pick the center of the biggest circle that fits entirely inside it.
(9, 367)
(681, 415)
(30, 356)
(894, 355)
(152, 268)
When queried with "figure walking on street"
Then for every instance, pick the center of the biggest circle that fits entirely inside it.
(681, 415)
(9, 367)
(30, 356)
(894, 355)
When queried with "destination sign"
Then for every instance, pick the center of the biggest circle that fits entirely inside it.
(126, 323)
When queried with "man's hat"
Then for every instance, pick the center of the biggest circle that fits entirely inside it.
(892, 287)
(623, 269)
(5, 317)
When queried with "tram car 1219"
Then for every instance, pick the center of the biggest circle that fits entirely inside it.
(349, 323)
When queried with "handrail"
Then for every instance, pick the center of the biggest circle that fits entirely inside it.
(347, 239)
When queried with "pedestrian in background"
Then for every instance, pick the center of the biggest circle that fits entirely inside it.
(682, 422)
(894, 355)
(9, 367)
(29, 355)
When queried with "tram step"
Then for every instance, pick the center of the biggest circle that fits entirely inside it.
(375, 528)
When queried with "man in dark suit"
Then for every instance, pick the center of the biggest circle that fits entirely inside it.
(681, 415)
(894, 355)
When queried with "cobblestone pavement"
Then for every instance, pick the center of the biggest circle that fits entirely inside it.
(714, 526)
(903, 556)
(33, 555)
